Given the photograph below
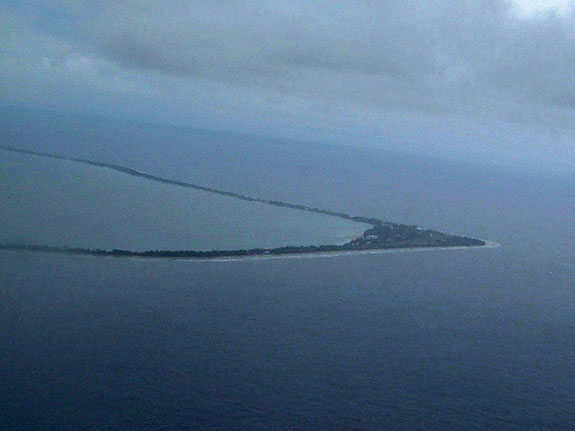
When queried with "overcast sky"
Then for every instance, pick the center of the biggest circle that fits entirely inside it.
(478, 79)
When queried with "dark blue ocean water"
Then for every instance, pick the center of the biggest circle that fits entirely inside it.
(441, 340)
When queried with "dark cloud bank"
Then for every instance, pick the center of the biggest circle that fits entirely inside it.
(347, 65)
(434, 56)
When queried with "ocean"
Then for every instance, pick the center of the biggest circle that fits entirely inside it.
(448, 339)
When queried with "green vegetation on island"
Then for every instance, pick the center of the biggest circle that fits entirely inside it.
(380, 236)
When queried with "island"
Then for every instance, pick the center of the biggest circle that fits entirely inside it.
(379, 235)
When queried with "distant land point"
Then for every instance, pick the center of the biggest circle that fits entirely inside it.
(381, 235)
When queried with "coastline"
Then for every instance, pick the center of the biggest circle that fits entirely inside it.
(379, 237)
(137, 173)
(488, 244)
(318, 254)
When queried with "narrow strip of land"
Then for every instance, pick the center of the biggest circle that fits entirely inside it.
(137, 173)
(227, 258)
(380, 236)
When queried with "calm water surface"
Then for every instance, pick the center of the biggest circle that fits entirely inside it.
(443, 340)
(69, 204)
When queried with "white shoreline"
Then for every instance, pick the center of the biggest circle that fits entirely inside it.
(323, 254)
(319, 254)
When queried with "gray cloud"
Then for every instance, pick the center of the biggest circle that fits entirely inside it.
(435, 56)
(383, 70)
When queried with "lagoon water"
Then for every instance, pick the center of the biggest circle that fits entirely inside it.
(63, 203)
(442, 340)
